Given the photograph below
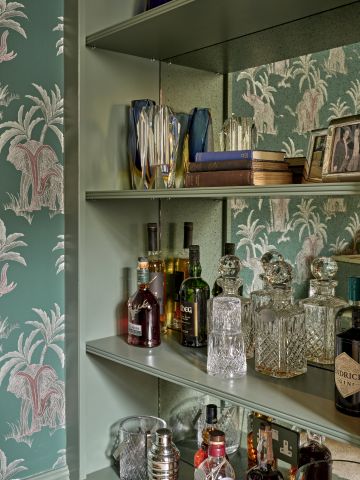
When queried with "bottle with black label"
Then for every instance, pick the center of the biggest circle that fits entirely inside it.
(347, 357)
(156, 272)
(194, 294)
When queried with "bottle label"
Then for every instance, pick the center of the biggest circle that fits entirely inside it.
(189, 312)
(156, 286)
(134, 329)
(347, 375)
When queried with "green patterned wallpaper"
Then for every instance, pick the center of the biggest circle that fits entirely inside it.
(287, 100)
(32, 389)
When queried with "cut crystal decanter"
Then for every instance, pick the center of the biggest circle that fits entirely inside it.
(226, 347)
(320, 312)
(280, 328)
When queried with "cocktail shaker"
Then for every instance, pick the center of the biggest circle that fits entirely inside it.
(163, 457)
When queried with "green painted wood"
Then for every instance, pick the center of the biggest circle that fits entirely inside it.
(308, 189)
(306, 401)
(173, 30)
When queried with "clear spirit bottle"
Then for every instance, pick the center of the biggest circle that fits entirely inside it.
(210, 426)
(320, 312)
(265, 458)
(229, 249)
(194, 294)
(215, 466)
(280, 328)
(347, 360)
(226, 347)
(143, 311)
(157, 272)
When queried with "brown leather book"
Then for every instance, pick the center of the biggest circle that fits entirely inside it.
(232, 178)
(242, 164)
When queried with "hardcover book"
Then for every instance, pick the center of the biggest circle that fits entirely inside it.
(242, 164)
(240, 154)
(232, 178)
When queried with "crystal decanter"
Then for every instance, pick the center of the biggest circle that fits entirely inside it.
(320, 312)
(259, 298)
(226, 347)
(280, 328)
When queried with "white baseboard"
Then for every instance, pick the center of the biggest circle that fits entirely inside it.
(57, 474)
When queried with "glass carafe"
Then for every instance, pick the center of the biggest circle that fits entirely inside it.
(320, 312)
(280, 328)
(226, 348)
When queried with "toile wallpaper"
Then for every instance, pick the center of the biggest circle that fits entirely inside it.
(287, 100)
(32, 389)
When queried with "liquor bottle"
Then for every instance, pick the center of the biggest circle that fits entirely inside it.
(181, 272)
(210, 426)
(320, 312)
(226, 347)
(215, 466)
(163, 458)
(251, 450)
(265, 459)
(347, 355)
(157, 272)
(194, 293)
(280, 328)
(314, 450)
(143, 311)
(229, 249)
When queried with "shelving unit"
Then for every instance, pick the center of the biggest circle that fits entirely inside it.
(113, 379)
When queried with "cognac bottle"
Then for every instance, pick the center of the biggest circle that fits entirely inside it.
(215, 466)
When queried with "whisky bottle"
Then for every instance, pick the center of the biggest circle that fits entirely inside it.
(194, 294)
(229, 249)
(143, 311)
(320, 312)
(265, 458)
(210, 426)
(157, 272)
(181, 272)
(215, 466)
(347, 355)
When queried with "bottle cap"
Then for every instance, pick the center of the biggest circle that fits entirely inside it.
(217, 436)
(211, 413)
(163, 436)
(229, 249)
(354, 289)
(194, 253)
(143, 262)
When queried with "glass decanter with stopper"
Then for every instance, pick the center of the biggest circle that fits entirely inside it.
(215, 466)
(226, 348)
(265, 458)
(347, 355)
(143, 311)
(280, 328)
(320, 312)
(210, 426)
(259, 298)
(229, 249)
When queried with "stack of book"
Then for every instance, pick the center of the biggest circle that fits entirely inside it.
(297, 167)
(236, 168)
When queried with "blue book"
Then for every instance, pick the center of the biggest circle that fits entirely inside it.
(239, 155)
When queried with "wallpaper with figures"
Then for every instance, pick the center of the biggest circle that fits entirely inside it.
(287, 100)
(32, 393)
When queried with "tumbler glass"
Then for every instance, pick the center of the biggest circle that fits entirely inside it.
(135, 434)
(329, 470)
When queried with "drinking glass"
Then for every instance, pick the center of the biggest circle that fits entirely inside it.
(329, 470)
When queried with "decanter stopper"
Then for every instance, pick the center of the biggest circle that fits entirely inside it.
(270, 257)
(279, 273)
(324, 268)
(229, 266)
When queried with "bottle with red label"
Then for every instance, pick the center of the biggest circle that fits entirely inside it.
(210, 426)
(215, 466)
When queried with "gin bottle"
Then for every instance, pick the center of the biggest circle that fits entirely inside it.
(265, 458)
(320, 312)
(229, 249)
(157, 272)
(347, 360)
(143, 311)
(226, 347)
(280, 328)
(215, 466)
(194, 294)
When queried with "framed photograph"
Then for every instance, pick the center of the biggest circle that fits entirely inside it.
(315, 155)
(342, 152)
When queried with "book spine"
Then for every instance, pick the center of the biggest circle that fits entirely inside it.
(227, 178)
(243, 164)
(220, 156)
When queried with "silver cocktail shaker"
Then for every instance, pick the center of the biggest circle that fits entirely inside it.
(163, 457)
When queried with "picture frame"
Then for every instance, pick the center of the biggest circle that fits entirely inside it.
(342, 151)
(313, 168)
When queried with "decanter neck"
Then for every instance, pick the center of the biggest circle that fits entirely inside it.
(324, 287)
(229, 285)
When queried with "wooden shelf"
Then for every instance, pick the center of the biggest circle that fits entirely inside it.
(308, 189)
(232, 35)
(306, 401)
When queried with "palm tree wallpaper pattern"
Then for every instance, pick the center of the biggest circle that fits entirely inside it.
(32, 388)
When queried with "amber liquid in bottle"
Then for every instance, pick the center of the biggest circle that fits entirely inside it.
(157, 273)
(210, 426)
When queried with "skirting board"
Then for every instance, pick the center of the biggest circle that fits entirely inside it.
(57, 474)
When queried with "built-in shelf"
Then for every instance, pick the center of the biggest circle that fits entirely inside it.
(306, 401)
(232, 35)
(308, 189)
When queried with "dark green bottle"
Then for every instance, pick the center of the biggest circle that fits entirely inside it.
(194, 294)
(229, 249)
